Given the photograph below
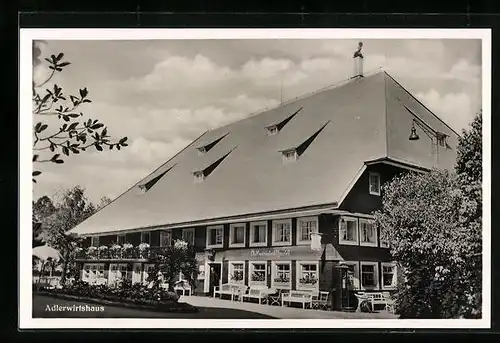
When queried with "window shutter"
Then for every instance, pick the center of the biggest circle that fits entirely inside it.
(247, 277)
(269, 275)
(293, 276)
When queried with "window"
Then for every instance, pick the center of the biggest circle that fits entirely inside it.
(272, 130)
(374, 183)
(201, 272)
(93, 273)
(352, 274)
(282, 232)
(306, 226)
(258, 234)
(237, 235)
(94, 241)
(441, 139)
(145, 237)
(148, 268)
(307, 275)
(348, 231)
(369, 275)
(237, 272)
(123, 271)
(215, 238)
(120, 239)
(389, 278)
(201, 150)
(281, 275)
(258, 273)
(199, 176)
(188, 236)
(289, 156)
(165, 238)
(367, 233)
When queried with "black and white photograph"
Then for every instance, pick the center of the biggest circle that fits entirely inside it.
(255, 178)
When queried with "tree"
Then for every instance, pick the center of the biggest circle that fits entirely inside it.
(74, 135)
(43, 208)
(433, 225)
(172, 260)
(73, 208)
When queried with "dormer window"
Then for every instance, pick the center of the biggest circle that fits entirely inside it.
(144, 187)
(272, 130)
(441, 139)
(206, 148)
(289, 155)
(199, 176)
(141, 189)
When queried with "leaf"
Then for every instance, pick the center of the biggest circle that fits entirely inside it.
(53, 57)
(97, 126)
(86, 100)
(111, 147)
(55, 157)
(37, 126)
(60, 56)
(124, 144)
(43, 127)
(98, 147)
(73, 126)
(104, 132)
(34, 180)
(48, 60)
(52, 148)
(64, 64)
(59, 161)
(84, 92)
(118, 147)
(66, 117)
(36, 173)
(65, 151)
(74, 115)
(35, 157)
(123, 140)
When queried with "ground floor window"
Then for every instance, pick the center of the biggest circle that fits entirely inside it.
(236, 272)
(93, 273)
(281, 275)
(258, 273)
(148, 268)
(369, 275)
(307, 275)
(388, 275)
(117, 272)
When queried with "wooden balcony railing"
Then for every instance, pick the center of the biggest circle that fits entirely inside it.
(130, 253)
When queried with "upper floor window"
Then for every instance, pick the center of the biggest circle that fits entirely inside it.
(120, 239)
(282, 232)
(367, 233)
(199, 176)
(348, 231)
(237, 235)
(374, 183)
(188, 236)
(146, 237)
(165, 238)
(272, 130)
(258, 234)
(94, 241)
(305, 227)
(215, 236)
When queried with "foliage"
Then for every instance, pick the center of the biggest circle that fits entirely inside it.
(433, 225)
(123, 292)
(71, 210)
(170, 261)
(74, 134)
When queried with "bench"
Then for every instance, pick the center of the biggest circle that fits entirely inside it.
(183, 288)
(375, 298)
(233, 290)
(256, 293)
(297, 297)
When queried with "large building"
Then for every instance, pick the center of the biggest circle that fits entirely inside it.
(251, 195)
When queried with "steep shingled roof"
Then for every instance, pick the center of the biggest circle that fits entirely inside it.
(364, 124)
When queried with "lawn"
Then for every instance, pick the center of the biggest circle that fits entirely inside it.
(40, 311)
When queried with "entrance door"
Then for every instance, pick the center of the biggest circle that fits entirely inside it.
(215, 277)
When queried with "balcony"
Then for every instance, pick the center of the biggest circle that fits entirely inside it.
(127, 252)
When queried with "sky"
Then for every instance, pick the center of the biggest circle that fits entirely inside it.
(163, 94)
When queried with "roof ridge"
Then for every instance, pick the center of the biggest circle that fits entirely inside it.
(331, 86)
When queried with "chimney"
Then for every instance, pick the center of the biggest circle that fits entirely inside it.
(358, 61)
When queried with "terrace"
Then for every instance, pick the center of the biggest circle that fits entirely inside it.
(126, 252)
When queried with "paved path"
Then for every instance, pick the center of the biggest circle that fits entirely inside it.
(281, 312)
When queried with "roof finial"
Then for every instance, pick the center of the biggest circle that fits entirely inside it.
(358, 53)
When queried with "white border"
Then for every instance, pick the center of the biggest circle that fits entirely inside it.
(25, 168)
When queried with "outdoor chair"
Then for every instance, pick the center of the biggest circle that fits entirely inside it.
(320, 301)
(362, 298)
(275, 299)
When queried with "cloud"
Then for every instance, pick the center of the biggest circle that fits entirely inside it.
(454, 108)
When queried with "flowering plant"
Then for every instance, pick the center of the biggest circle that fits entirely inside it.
(103, 247)
(116, 247)
(143, 246)
(282, 279)
(180, 244)
(258, 277)
(307, 279)
(237, 276)
(127, 246)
